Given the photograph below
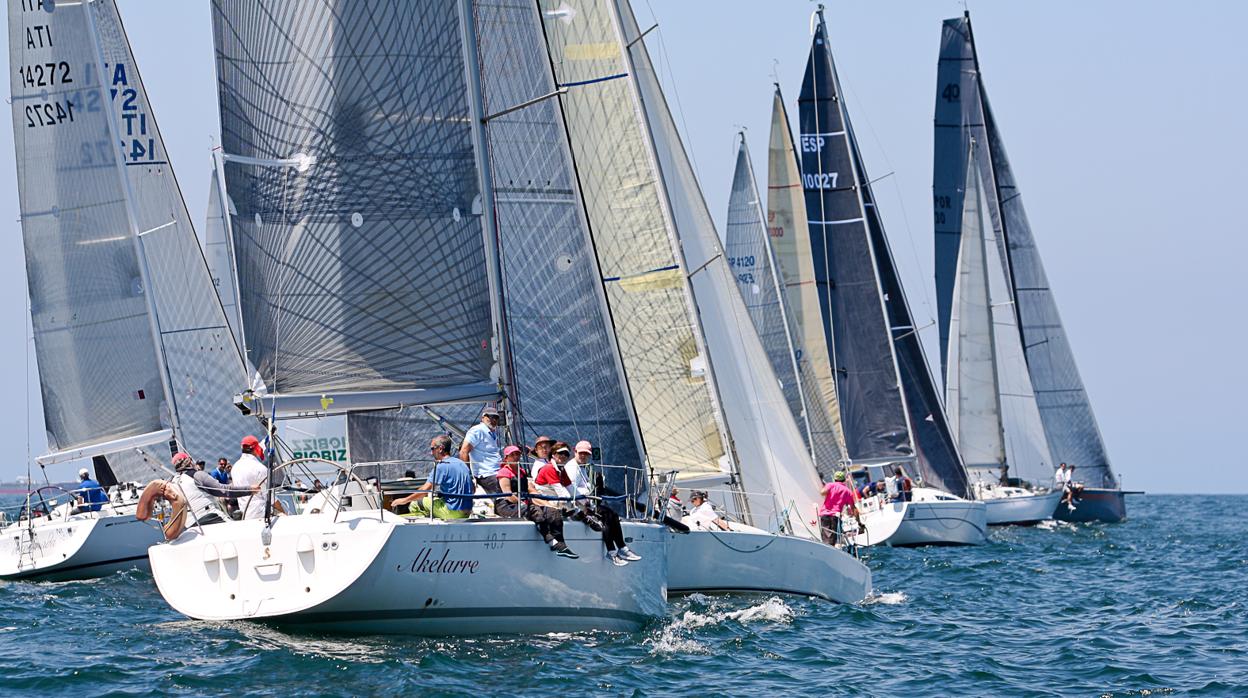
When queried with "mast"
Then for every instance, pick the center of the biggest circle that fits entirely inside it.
(472, 69)
(133, 219)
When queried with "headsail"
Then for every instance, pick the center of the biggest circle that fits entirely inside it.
(129, 333)
(973, 392)
(358, 235)
(772, 462)
(659, 344)
(219, 249)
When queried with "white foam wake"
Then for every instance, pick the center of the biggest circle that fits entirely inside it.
(891, 598)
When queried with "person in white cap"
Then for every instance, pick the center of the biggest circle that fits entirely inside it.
(483, 450)
(608, 522)
(90, 493)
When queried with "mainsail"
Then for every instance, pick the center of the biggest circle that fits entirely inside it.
(132, 344)
(751, 260)
(357, 226)
(855, 327)
(963, 112)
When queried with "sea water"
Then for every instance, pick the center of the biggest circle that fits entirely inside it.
(1154, 606)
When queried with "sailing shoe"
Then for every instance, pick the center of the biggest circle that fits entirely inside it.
(562, 550)
(629, 555)
(617, 560)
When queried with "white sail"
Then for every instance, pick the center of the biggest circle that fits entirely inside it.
(219, 251)
(772, 461)
(131, 339)
(972, 390)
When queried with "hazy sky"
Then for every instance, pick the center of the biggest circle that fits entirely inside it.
(1124, 127)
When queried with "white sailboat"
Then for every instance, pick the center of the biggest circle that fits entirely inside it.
(992, 410)
(891, 414)
(133, 352)
(340, 317)
(709, 409)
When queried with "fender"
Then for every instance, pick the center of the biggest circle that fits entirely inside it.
(167, 492)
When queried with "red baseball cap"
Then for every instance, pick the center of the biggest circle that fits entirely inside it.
(510, 450)
(251, 444)
(179, 456)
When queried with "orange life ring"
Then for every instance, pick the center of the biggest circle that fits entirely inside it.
(168, 492)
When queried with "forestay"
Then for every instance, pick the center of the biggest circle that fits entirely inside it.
(130, 336)
(790, 238)
(357, 230)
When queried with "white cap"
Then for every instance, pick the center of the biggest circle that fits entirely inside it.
(83, 474)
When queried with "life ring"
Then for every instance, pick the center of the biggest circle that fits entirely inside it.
(167, 492)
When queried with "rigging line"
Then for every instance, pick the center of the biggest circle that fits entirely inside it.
(674, 90)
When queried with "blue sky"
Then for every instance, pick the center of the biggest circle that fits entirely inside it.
(1124, 126)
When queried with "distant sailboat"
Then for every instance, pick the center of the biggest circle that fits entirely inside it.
(890, 411)
(991, 406)
(1052, 378)
(134, 354)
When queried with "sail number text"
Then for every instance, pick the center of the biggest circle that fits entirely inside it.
(820, 180)
(49, 114)
(44, 74)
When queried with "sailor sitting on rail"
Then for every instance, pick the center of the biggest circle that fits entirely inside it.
(454, 486)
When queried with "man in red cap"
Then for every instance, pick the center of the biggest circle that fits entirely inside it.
(250, 471)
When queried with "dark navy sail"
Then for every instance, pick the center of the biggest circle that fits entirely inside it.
(873, 413)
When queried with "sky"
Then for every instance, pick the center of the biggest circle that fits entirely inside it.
(1122, 122)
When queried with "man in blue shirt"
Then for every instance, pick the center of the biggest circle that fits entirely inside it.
(481, 447)
(453, 481)
(222, 472)
(89, 492)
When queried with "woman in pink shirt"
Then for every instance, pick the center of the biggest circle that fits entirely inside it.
(837, 498)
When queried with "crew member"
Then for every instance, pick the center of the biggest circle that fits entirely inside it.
(453, 480)
(481, 448)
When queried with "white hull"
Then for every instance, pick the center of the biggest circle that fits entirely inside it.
(932, 517)
(373, 573)
(80, 546)
(752, 560)
(1021, 509)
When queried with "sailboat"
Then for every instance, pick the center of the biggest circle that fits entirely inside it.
(692, 360)
(1065, 413)
(891, 414)
(134, 354)
(366, 227)
(991, 406)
